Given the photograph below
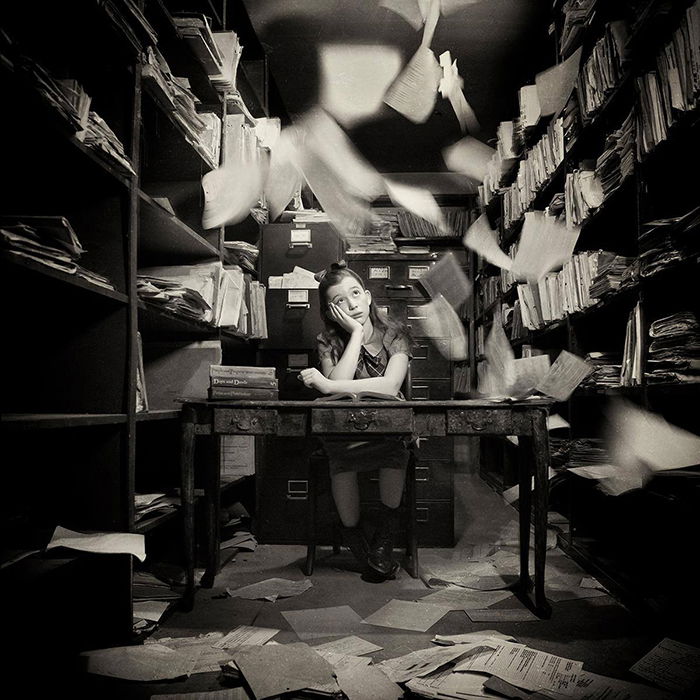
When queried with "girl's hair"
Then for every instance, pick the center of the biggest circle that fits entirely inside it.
(336, 336)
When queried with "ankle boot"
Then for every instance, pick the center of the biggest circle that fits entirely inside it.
(380, 558)
(354, 539)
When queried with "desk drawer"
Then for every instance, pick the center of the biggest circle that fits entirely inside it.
(363, 419)
(245, 421)
(488, 421)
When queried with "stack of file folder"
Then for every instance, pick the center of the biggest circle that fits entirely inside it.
(674, 349)
(666, 242)
(578, 15)
(150, 504)
(195, 30)
(616, 163)
(98, 135)
(614, 271)
(608, 366)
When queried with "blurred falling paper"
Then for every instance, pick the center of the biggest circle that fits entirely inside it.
(414, 91)
(442, 321)
(452, 87)
(447, 278)
(231, 191)
(545, 245)
(528, 372)
(555, 84)
(283, 178)
(354, 79)
(418, 201)
(498, 374)
(567, 372)
(468, 156)
(481, 238)
(415, 12)
(640, 443)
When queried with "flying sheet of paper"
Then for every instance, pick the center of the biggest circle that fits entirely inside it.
(525, 667)
(595, 471)
(424, 661)
(352, 646)
(528, 372)
(414, 92)
(554, 85)
(417, 200)
(283, 177)
(468, 156)
(555, 421)
(271, 589)
(441, 322)
(245, 634)
(513, 493)
(499, 358)
(354, 79)
(415, 12)
(671, 665)
(447, 278)
(406, 615)
(459, 598)
(148, 662)
(567, 372)
(274, 669)
(545, 245)
(483, 240)
(99, 542)
(451, 86)
(324, 622)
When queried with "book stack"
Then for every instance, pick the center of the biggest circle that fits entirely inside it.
(243, 383)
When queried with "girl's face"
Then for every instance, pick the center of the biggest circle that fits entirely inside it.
(351, 297)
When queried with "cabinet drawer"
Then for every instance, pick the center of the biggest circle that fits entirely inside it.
(429, 358)
(293, 318)
(365, 420)
(433, 482)
(245, 421)
(431, 389)
(435, 448)
(393, 278)
(287, 367)
(434, 523)
(496, 422)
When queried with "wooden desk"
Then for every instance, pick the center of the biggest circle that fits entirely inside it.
(526, 419)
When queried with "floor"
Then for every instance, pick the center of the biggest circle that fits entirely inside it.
(598, 631)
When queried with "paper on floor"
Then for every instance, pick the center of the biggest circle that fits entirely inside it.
(366, 683)
(149, 662)
(245, 634)
(354, 646)
(458, 598)
(447, 684)
(671, 665)
(406, 615)
(271, 589)
(323, 622)
(237, 693)
(502, 615)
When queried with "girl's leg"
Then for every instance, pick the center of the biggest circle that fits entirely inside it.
(380, 557)
(346, 494)
(391, 483)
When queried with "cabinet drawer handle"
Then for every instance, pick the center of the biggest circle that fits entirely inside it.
(297, 305)
(362, 419)
(244, 425)
(301, 244)
(398, 287)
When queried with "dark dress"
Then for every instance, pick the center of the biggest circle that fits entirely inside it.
(382, 452)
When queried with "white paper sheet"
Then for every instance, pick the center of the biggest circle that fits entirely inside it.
(406, 615)
(352, 646)
(483, 240)
(417, 200)
(672, 665)
(459, 598)
(99, 543)
(468, 156)
(323, 622)
(150, 662)
(439, 321)
(567, 372)
(554, 85)
(245, 634)
(271, 589)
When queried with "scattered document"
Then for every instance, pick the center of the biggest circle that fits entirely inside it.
(245, 634)
(366, 683)
(271, 589)
(447, 684)
(459, 598)
(414, 91)
(451, 86)
(150, 609)
(502, 615)
(406, 615)
(527, 373)
(99, 543)
(417, 200)
(352, 646)
(446, 277)
(483, 240)
(469, 157)
(149, 662)
(240, 540)
(274, 669)
(554, 85)
(440, 322)
(525, 667)
(470, 637)
(237, 693)
(671, 665)
(591, 686)
(567, 372)
(323, 622)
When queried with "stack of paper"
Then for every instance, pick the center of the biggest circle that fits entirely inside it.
(616, 163)
(631, 373)
(608, 366)
(668, 241)
(674, 349)
(578, 15)
(230, 51)
(195, 30)
(153, 504)
(583, 193)
(613, 272)
(98, 135)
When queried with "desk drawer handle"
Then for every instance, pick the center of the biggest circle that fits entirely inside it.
(244, 425)
(362, 419)
(474, 425)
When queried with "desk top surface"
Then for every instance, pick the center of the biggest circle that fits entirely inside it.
(459, 404)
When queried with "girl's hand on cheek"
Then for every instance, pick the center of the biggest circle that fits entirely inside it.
(345, 321)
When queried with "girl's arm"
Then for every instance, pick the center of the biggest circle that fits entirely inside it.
(390, 383)
(345, 369)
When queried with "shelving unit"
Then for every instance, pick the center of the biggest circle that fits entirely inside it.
(610, 535)
(77, 448)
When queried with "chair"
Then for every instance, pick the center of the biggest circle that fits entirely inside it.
(319, 475)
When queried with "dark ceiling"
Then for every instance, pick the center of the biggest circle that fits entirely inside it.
(499, 46)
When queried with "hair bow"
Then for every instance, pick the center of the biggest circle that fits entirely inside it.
(333, 267)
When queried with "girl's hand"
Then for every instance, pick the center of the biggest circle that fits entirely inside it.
(346, 322)
(315, 380)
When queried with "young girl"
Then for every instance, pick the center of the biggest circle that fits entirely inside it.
(361, 350)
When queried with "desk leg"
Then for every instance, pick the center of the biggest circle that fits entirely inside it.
(212, 508)
(411, 537)
(187, 499)
(540, 454)
(524, 510)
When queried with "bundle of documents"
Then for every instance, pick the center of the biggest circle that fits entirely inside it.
(603, 70)
(507, 153)
(201, 130)
(583, 194)
(98, 135)
(298, 278)
(48, 240)
(489, 289)
(614, 271)
(195, 30)
(674, 349)
(529, 109)
(457, 221)
(616, 163)
(534, 171)
(230, 51)
(608, 366)
(631, 373)
(242, 382)
(77, 97)
(152, 504)
(127, 15)
(571, 118)
(146, 586)
(586, 453)
(578, 15)
(665, 242)
(242, 253)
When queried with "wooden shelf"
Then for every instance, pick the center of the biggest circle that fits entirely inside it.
(148, 524)
(158, 415)
(156, 321)
(31, 421)
(63, 277)
(167, 239)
